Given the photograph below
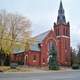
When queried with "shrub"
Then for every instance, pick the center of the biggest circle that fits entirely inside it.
(75, 66)
(20, 63)
(53, 67)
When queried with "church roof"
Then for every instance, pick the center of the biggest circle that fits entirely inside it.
(17, 51)
(35, 46)
(39, 39)
(41, 36)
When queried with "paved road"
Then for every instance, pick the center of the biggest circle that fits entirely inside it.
(68, 75)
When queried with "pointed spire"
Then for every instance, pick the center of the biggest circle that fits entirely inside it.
(61, 6)
(61, 16)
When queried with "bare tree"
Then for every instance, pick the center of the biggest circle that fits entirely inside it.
(13, 28)
(3, 25)
(18, 26)
(3, 30)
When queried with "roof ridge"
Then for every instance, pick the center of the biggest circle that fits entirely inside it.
(42, 33)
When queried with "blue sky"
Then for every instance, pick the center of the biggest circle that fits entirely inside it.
(43, 13)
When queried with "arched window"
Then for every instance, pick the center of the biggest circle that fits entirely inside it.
(50, 45)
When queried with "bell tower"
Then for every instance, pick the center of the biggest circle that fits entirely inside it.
(62, 31)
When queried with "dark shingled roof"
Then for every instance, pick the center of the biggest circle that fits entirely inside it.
(18, 51)
(35, 45)
(39, 39)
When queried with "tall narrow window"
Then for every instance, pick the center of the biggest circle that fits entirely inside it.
(64, 31)
(50, 45)
(58, 32)
(65, 44)
(34, 57)
(67, 32)
(43, 60)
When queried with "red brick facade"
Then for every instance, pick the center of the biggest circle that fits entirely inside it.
(38, 55)
(41, 57)
(63, 40)
(32, 58)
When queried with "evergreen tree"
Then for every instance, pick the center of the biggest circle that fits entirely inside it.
(78, 56)
(53, 64)
(74, 60)
(73, 57)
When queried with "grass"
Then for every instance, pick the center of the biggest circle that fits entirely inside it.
(18, 69)
(4, 68)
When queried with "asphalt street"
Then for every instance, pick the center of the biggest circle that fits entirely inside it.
(64, 75)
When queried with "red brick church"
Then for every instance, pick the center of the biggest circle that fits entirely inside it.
(38, 55)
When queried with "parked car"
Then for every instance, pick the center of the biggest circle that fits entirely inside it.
(13, 65)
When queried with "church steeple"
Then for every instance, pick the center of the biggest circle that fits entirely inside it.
(62, 31)
(61, 15)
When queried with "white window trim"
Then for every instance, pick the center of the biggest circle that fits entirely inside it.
(34, 60)
(63, 36)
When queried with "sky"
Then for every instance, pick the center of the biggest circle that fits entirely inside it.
(43, 14)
